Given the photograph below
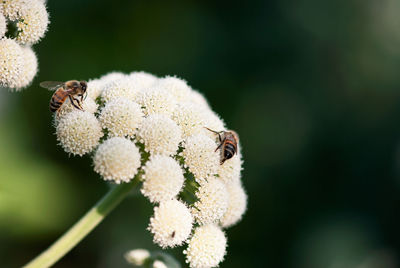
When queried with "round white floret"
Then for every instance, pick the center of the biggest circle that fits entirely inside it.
(142, 80)
(163, 178)
(137, 256)
(112, 76)
(230, 171)
(159, 134)
(88, 105)
(198, 98)
(32, 22)
(176, 86)
(3, 24)
(206, 248)
(11, 63)
(236, 206)
(117, 159)
(171, 223)
(29, 68)
(95, 88)
(78, 132)
(156, 100)
(189, 117)
(212, 202)
(13, 8)
(121, 117)
(200, 157)
(119, 88)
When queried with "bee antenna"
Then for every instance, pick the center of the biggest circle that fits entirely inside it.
(216, 132)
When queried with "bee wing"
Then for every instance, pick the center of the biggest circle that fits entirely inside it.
(51, 85)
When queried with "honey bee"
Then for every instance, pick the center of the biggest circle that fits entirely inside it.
(71, 89)
(228, 143)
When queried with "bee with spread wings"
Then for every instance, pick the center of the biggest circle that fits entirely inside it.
(71, 89)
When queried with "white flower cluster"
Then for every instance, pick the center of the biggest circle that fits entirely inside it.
(18, 62)
(138, 125)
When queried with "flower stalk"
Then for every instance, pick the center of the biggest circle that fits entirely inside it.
(84, 226)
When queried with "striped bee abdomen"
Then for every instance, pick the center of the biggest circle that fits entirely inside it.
(57, 100)
(229, 150)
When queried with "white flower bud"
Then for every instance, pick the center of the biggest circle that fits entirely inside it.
(119, 88)
(32, 22)
(212, 202)
(117, 159)
(142, 80)
(198, 98)
(163, 178)
(171, 224)
(3, 25)
(159, 134)
(206, 248)
(156, 100)
(31, 16)
(229, 172)
(112, 77)
(11, 63)
(121, 117)
(159, 264)
(176, 86)
(12, 8)
(78, 132)
(236, 206)
(29, 68)
(95, 88)
(137, 256)
(189, 117)
(200, 157)
(88, 105)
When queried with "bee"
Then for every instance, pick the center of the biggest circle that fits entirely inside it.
(228, 143)
(72, 89)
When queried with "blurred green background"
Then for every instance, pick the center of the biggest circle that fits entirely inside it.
(312, 87)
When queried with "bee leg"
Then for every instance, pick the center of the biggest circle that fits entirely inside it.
(216, 132)
(219, 146)
(79, 104)
(73, 103)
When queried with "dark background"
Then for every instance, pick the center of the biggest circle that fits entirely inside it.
(312, 87)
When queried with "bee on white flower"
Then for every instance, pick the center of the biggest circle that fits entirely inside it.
(153, 131)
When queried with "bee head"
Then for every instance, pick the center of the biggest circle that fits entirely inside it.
(83, 85)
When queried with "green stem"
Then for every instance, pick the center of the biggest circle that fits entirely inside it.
(83, 227)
